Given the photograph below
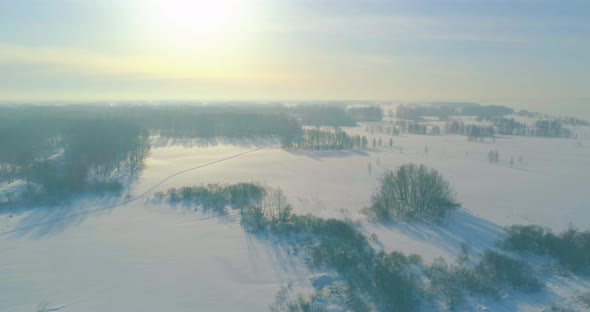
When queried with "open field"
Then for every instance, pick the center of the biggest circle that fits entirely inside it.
(145, 255)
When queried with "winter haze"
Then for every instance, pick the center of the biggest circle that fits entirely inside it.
(270, 155)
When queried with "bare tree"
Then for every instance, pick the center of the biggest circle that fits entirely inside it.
(413, 192)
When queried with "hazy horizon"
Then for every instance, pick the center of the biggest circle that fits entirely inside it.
(579, 110)
(531, 55)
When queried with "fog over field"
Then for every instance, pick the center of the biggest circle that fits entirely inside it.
(302, 207)
(294, 155)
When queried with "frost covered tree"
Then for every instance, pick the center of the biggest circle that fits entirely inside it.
(413, 192)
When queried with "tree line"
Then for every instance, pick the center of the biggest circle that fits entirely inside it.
(473, 132)
(445, 110)
(508, 126)
(413, 127)
(541, 128)
(328, 139)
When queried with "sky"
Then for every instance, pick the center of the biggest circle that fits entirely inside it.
(530, 54)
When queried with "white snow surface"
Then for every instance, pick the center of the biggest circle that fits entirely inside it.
(147, 256)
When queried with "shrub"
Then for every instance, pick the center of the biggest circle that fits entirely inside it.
(571, 247)
(372, 278)
(500, 268)
(413, 192)
(585, 299)
(242, 194)
(235, 195)
(531, 238)
(450, 281)
(493, 272)
(273, 210)
(331, 298)
(395, 286)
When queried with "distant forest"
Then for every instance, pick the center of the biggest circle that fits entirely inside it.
(60, 150)
(335, 115)
(63, 150)
(445, 110)
(411, 119)
(509, 126)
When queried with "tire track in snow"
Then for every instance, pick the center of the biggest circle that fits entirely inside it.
(151, 189)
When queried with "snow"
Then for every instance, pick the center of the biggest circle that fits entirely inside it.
(147, 256)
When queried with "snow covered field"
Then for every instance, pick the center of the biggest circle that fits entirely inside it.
(147, 256)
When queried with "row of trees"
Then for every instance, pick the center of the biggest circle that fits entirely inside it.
(541, 128)
(404, 126)
(413, 127)
(334, 139)
(573, 121)
(217, 197)
(508, 126)
(384, 129)
(473, 132)
(444, 110)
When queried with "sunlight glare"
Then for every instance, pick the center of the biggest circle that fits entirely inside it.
(183, 20)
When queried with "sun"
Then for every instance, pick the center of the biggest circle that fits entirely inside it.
(194, 19)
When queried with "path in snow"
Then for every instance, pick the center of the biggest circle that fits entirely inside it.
(151, 189)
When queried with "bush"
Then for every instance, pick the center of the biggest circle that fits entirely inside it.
(273, 211)
(531, 238)
(216, 196)
(493, 272)
(413, 192)
(331, 298)
(450, 281)
(571, 247)
(372, 278)
(501, 269)
(585, 299)
(395, 286)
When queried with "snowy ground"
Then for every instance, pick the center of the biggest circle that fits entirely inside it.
(145, 256)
